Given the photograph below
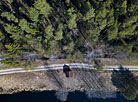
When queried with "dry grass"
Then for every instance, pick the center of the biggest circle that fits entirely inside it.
(105, 61)
(130, 61)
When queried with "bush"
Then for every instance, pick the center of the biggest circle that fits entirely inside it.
(1, 90)
(10, 62)
(98, 65)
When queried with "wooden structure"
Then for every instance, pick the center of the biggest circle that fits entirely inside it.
(67, 71)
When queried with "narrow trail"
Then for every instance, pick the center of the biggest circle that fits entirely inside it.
(60, 66)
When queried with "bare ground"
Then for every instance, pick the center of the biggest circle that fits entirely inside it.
(55, 80)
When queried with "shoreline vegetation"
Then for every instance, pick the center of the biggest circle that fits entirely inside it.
(42, 32)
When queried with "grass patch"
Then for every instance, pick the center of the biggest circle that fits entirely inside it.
(130, 61)
(98, 65)
(29, 67)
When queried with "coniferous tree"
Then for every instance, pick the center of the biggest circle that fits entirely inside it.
(72, 17)
(67, 26)
(10, 17)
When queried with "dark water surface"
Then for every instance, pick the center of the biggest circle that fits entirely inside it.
(49, 96)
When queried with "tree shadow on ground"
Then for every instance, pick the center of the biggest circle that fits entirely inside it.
(126, 82)
(62, 92)
(90, 79)
(121, 77)
(94, 84)
(56, 79)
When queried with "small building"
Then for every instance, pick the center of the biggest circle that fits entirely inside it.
(67, 71)
(69, 74)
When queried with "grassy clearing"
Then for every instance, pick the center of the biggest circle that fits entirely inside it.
(130, 61)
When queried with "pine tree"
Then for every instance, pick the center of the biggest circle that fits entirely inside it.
(113, 31)
(89, 12)
(71, 18)
(24, 26)
(59, 32)
(16, 33)
(12, 51)
(2, 36)
(33, 14)
(127, 83)
(120, 7)
(67, 2)
(10, 17)
(48, 33)
(43, 7)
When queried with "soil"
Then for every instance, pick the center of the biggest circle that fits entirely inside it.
(55, 80)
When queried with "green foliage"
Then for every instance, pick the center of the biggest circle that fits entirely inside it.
(112, 32)
(89, 12)
(43, 7)
(67, 1)
(13, 49)
(11, 62)
(33, 31)
(93, 34)
(1, 90)
(64, 27)
(15, 31)
(10, 1)
(129, 21)
(69, 48)
(33, 14)
(133, 6)
(101, 13)
(53, 48)
(28, 66)
(128, 31)
(21, 10)
(110, 17)
(59, 32)
(77, 56)
(2, 36)
(130, 94)
(10, 17)
(24, 26)
(48, 32)
(98, 65)
(103, 24)
(72, 17)
(121, 6)
(127, 83)
(11, 53)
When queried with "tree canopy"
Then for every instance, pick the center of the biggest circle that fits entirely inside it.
(66, 26)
